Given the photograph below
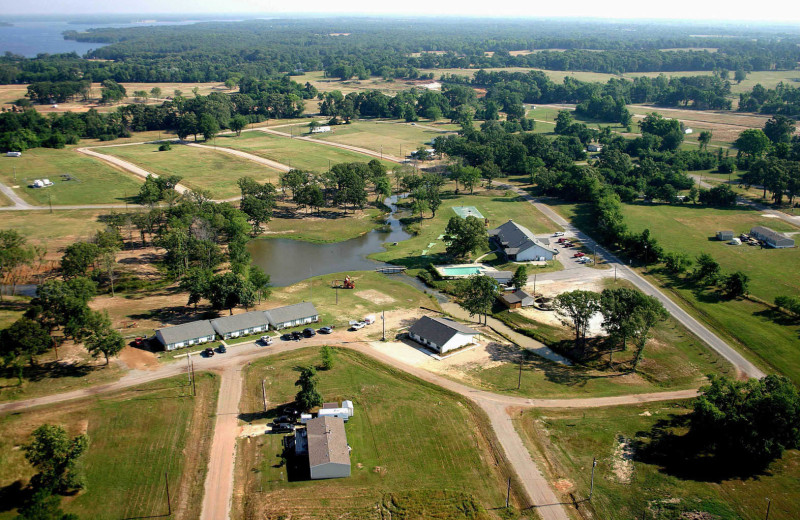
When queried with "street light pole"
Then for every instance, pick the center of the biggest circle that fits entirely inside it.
(591, 486)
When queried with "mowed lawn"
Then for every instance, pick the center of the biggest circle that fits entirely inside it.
(297, 153)
(43, 227)
(92, 181)
(200, 168)
(417, 451)
(135, 437)
(392, 138)
(626, 486)
(495, 205)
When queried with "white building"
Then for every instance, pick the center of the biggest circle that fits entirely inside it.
(186, 334)
(343, 412)
(441, 334)
(243, 324)
(325, 442)
(292, 315)
(321, 129)
(520, 245)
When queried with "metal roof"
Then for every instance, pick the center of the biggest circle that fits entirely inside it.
(515, 238)
(237, 322)
(439, 330)
(291, 312)
(186, 331)
(515, 297)
(327, 441)
(768, 233)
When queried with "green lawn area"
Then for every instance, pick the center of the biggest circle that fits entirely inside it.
(417, 450)
(200, 168)
(135, 437)
(297, 153)
(566, 441)
(47, 228)
(329, 225)
(765, 337)
(392, 138)
(495, 205)
(93, 181)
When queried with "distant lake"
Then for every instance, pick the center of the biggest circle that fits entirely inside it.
(31, 38)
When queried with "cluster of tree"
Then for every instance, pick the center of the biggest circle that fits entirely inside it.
(424, 191)
(783, 99)
(790, 304)
(16, 255)
(58, 91)
(308, 397)
(226, 290)
(605, 109)
(707, 272)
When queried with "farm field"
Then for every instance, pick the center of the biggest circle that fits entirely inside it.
(200, 168)
(757, 332)
(673, 359)
(91, 181)
(135, 437)
(391, 138)
(632, 483)
(417, 451)
(495, 205)
(297, 153)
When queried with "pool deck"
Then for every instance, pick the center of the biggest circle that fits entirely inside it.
(441, 270)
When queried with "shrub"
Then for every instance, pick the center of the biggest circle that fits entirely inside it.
(165, 147)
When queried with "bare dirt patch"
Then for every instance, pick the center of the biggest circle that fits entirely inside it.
(138, 359)
(563, 485)
(374, 296)
(623, 460)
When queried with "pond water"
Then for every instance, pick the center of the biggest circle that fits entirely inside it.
(289, 261)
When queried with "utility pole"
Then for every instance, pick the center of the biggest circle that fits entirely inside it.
(615, 272)
(534, 285)
(508, 493)
(264, 393)
(194, 386)
(337, 295)
(769, 503)
(169, 502)
(50, 200)
(189, 368)
(519, 380)
(383, 320)
(381, 155)
(591, 486)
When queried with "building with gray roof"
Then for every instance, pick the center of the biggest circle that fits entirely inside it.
(244, 324)
(325, 441)
(292, 315)
(441, 334)
(516, 299)
(771, 237)
(520, 245)
(186, 334)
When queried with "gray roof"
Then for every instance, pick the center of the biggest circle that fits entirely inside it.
(237, 322)
(439, 330)
(186, 331)
(292, 312)
(327, 441)
(499, 275)
(768, 233)
(515, 238)
(515, 297)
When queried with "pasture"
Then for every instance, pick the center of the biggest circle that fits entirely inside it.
(631, 482)
(389, 137)
(297, 153)
(77, 178)
(200, 168)
(417, 450)
(135, 437)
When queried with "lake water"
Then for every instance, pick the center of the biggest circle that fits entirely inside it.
(290, 261)
(29, 38)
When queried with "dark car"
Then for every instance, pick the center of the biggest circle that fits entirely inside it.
(282, 428)
(221, 349)
(325, 330)
(309, 332)
(297, 336)
(209, 352)
(287, 337)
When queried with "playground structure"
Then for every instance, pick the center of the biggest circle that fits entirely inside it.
(347, 283)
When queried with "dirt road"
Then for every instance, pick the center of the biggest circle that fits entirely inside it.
(365, 151)
(250, 157)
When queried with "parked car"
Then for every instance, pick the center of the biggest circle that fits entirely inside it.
(266, 340)
(358, 325)
(325, 330)
(209, 352)
(282, 428)
(283, 419)
(287, 337)
(221, 349)
(297, 336)
(579, 254)
(558, 234)
(138, 342)
(309, 332)
(562, 240)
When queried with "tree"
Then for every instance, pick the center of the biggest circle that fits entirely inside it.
(197, 282)
(107, 341)
(477, 294)
(753, 142)
(208, 126)
(42, 505)
(677, 262)
(752, 421)
(707, 269)
(737, 284)
(13, 253)
(576, 308)
(520, 277)
(110, 264)
(238, 123)
(54, 455)
(648, 312)
(704, 138)
(260, 282)
(739, 75)
(779, 129)
(24, 339)
(112, 91)
(470, 177)
(563, 121)
(308, 397)
(155, 92)
(228, 290)
(78, 258)
(618, 309)
(465, 235)
(327, 357)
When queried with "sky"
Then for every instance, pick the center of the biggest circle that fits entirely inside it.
(783, 11)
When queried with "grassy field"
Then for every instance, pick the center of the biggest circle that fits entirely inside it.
(135, 437)
(626, 486)
(46, 228)
(495, 205)
(326, 226)
(297, 153)
(765, 337)
(93, 181)
(417, 451)
(200, 168)
(391, 138)
(673, 359)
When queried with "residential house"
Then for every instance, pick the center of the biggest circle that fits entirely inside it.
(516, 299)
(325, 441)
(520, 245)
(186, 334)
(292, 315)
(441, 334)
(241, 324)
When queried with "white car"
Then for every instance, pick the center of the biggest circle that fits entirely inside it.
(558, 234)
(358, 325)
(266, 340)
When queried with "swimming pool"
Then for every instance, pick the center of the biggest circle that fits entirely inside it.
(461, 271)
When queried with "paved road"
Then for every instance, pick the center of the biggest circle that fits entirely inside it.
(701, 331)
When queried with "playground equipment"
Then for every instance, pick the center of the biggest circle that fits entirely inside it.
(347, 283)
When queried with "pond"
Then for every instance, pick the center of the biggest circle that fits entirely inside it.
(289, 261)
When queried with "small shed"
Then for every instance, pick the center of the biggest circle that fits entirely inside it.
(771, 237)
(321, 129)
(501, 277)
(724, 235)
(594, 147)
(13, 154)
(186, 334)
(441, 334)
(517, 299)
